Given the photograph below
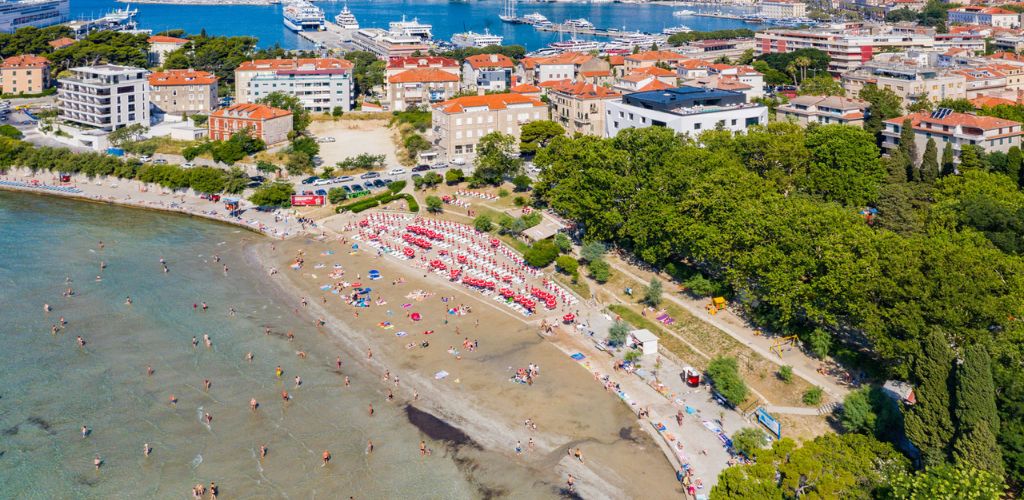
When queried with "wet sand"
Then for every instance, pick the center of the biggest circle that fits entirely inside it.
(478, 410)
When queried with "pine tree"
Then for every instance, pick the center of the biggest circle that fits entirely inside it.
(947, 161)
(929, 422)
(908, 147)
(969, 158)
(1013, 163)
(976, 417)
(930, 162)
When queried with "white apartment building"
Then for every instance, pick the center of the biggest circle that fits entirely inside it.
(846, 51)
(106, 96)
(989, 133)
(782, 9)
(910, 82)
(686, 110)
(988, 16)
(458, 124)
(320, 84)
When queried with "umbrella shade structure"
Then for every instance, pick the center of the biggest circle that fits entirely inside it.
(415, 316)
(374, 274)
(569, 318)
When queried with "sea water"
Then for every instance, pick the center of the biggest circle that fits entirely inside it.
(448, 17)
(50, 388)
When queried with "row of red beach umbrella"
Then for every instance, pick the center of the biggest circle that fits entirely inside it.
(479, 283)
(420, 242)
(422, 231)
(437, 264)
(550, 301)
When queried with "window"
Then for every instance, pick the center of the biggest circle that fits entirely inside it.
(696, 126)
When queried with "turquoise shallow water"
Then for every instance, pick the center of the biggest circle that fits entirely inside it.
(49, 387)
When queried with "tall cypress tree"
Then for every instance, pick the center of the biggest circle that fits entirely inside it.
(908, 147)
(930, 162)
(947, 160)
(929, 422)
(969, 158)
(977, 420)
(1013, 163)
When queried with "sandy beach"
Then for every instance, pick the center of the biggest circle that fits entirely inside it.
(477, 396)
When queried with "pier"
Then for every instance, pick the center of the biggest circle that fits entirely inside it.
(334, 37)
(582, 31)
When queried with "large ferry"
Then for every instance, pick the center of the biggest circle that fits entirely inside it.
(301, 15)
(536, 19)
(575, 45)
(346, 19)
(411, 28)
(676, 29)
(479, 40)
(580, 23)
(39, 13)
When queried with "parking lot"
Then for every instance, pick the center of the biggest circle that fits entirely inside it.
(369, 181)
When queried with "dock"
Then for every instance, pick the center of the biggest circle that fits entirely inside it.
(581, 31)
(334, 37)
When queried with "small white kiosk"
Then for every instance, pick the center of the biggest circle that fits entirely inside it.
(645, 340)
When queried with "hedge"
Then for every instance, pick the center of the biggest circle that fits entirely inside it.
(380, 199)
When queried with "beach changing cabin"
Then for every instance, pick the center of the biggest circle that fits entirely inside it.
(646, 341)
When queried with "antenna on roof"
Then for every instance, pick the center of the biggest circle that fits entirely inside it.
(941, 113)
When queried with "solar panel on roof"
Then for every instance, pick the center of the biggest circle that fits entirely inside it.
(941, 113)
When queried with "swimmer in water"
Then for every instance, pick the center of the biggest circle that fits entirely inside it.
(253, 405)
(369, 446)
(128, 300)
(173, 400)
(206, 339)
(146, 449)
(85, 432)
(278, 371)
(97, 462)
(326, 458)
(391, 395)
(195, 342)
(206, 384)
(285, 396)
(101, 245)
(346, 380)
(98, 278)
(369, 409)
(249, 356)
(337, 362)
(81, 341)
(423, 448)
(205, 307)
(53, 329)
(369, 353)
(103, 265)
(263, 450)
(47, 308)
(298, 381)
(149, 370)
(208, 418)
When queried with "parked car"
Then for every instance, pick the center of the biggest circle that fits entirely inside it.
(379, 183)
(458, 160)
(318, 161)
(144, 158)
(160, 161)
(357, 187)
(346, 189)
(310, 180)
(321, 192)
(370, 175)
(397, 171)
(189, 164)
(420, 168)
(322, 182)
(258, 178)
(346, 178)
(417, 176)
(439, 166)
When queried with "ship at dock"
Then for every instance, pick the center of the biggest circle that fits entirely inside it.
(412, 28)
(477, 40)
(346, 20)
(301, 15)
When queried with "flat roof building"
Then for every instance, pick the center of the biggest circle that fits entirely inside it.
(105, 96)
(687, 110)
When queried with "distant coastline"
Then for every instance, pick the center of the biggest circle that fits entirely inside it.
(204, 2)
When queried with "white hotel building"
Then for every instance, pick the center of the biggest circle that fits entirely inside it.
(106, 96)
(687, 110)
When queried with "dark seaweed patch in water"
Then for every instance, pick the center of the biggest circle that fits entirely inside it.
(11, 431)
(437, 429)
(565, 493)
(626, 433)
(42, 424)
(86, 480)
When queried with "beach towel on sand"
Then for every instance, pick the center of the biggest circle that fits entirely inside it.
(440, 375)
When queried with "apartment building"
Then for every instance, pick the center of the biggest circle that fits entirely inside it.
(183, 91)
(320, 84)
(420, 87)
(910, 82)
(686, 110)
(260, 121)
(565, 66)
(160, 46)
(645, 79)
(847, 51)
(24, 74)
(105, 96)
(782, 9)
(386, 44)
(988, 16)
(580, 107)
(488, 72)
(458, 124)
(958, 129)
(652, 58)
(398, 65)
(807, 109)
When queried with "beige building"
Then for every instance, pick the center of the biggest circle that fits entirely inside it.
(160, 46)
(807, 109)
(579, 107)
(564, 66)
(782, 9)
(458, 124)
(320, 84)
(959, 129)
(260, 121)
(25, 74)
(420, 87)
(183, 91)
(910, 83)
(651, 59)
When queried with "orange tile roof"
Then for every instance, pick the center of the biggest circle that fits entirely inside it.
(979, 74)
(726, 84)
(423, 75)
(251, 111)
(1007, 56)
(553, 83)
(956, 119)
(293, 64)
(494, 102)
(655, 55)
(173, 77)
(586, 91)
(62, 42)
(595, 73)
(656, 85)
(652, 71)
(991, 102)
(26, 61)
(634, 77)
(616, 60)
(490, 61)
(525, 88)
(421, 62)
(694, 64)
(167, 39)
(563, 58)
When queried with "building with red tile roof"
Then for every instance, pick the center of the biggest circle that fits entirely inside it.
(488, 72)
(160, 46)
(260, 121)
(61, 42)
(321, 84)
(460, 123)
(183, 91)
(420, 87)
(958, 129)
(24, 74)
(526, 89)
(398, 65)
(808, 109)
(564, 66)
(651, 58)
(990, 16)
(579, 107)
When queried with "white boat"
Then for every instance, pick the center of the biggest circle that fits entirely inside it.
(304, 16)
(643, 40)
(479, 40)
(575, 45)
(676, 29)
(411, 28)
(683, 13)
(508, 12)
(536, 19)
(579, 24)
(346, 19)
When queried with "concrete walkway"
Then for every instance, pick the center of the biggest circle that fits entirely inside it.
(803, 365)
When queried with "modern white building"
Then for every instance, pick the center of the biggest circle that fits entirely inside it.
(39, 13)
(988, 16)
(687, 110)
(106, 96)
(782, 9)
(320, 84)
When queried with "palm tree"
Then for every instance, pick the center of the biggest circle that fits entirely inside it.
(803, 63)
(791, 69)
